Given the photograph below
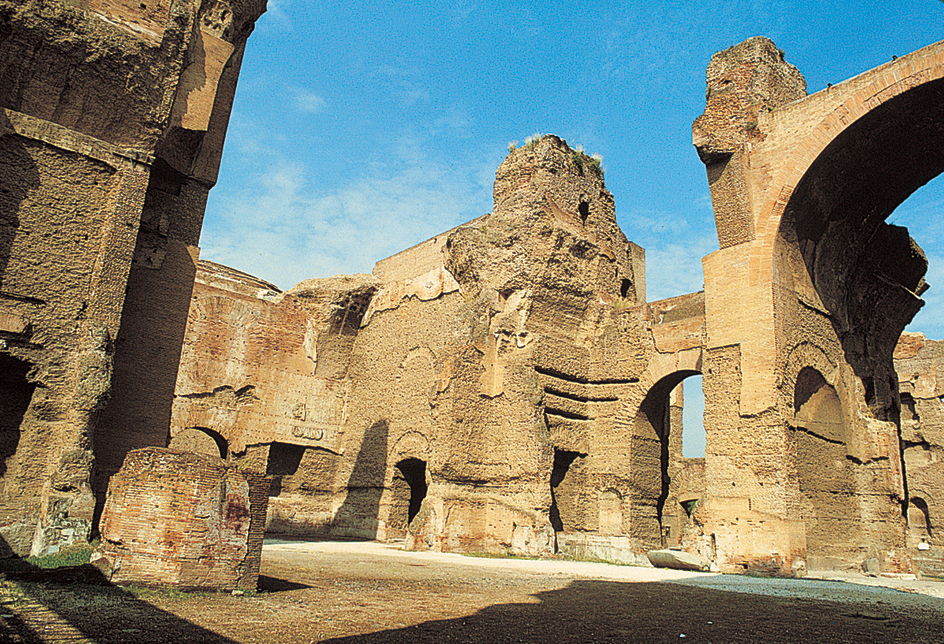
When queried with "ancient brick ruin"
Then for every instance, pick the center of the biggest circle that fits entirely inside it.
(502, 387)
(184, 519)
(505, 386)
(111, 129)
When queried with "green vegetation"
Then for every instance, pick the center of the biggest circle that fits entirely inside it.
(153, 593)
(500, 555)
(622, 303)
(74, 555)
(532, 140)
(581, 160)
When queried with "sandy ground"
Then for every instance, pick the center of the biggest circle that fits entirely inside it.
(365, 592)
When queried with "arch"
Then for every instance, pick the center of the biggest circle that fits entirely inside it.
(411, 444)
(884, 115)
(656, 459)
(874, 95)
(200, 440)
(832, 237)
(829, 502)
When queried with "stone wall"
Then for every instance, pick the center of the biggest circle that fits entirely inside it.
(485, 399)
(805, 301)
(186, 520)
(107, 150)
(920, 366)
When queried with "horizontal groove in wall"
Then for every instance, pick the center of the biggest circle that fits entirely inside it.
(584, 381)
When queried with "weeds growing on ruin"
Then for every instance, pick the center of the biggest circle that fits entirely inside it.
(622, 303)
(532, 140)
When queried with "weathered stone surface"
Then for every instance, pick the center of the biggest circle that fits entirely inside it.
(186, 520)
(805, 301)
(478, 393)
(107, 151)
(920, 366)
(678, 560)
(503, 386)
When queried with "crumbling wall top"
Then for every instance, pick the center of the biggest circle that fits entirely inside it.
(743, 80)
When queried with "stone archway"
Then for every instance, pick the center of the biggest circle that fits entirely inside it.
(801, 187)
(656, 455)
(200, 440)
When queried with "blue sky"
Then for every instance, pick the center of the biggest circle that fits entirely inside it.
(361, 128)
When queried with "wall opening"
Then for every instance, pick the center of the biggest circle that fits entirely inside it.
(563, 496)
(625, 285)
(584, 210)
(16, 392)
(407, 490)
(657, 455)
(829, 501)
(414, 473)
(283, 461)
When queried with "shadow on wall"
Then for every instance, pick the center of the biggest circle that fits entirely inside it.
(357, 516)
(68, 601)
(18, 177)
(608, 611)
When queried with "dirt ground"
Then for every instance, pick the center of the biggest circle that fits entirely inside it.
(367, 592)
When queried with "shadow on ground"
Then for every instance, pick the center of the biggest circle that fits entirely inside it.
(606, 611)
(78, 604)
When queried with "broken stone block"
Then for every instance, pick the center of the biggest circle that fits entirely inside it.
(183, 519)
(678, 560)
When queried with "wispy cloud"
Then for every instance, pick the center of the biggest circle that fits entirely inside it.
(308, 101)
(675, 268)
(284, 227)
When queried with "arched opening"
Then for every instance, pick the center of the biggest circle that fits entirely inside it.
(851, 281)
(829, 499)
(408, 489)
(833, 238)
(657, 516)
(200, 440)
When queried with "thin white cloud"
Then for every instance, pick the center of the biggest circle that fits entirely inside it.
(675, 268)
(284, 228)
(308, 101)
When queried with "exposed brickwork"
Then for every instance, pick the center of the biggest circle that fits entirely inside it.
(184, 519)
(112, 115)
(812, 290)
